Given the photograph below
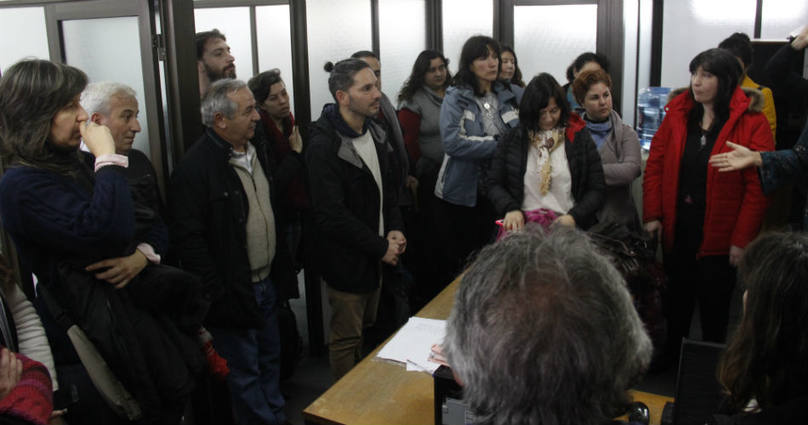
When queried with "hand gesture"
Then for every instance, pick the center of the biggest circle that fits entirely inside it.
(654, 228)
(735, 255)
(739, 158)
(10, 372)
(565, 220)
(295, 141)
(98, 138)
(120, 270)
(397, 238)
(513, 221)
(391, 256)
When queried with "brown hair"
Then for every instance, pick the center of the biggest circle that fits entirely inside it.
(32, 92)
(765, 358)
(587, 79)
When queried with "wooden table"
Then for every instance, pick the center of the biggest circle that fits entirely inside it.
(381, 392)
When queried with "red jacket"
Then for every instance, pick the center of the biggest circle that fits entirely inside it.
(735, 204)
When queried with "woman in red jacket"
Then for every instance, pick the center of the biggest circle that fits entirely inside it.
(705, 218)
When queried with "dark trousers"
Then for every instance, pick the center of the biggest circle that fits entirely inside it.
(709, 280)
(429, 278)
(253, 356)
(463, 231)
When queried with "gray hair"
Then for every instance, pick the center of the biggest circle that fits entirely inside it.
(217, 100)
(543, 331)
(95, 98)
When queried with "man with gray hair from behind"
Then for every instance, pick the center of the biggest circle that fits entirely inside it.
(543, 331)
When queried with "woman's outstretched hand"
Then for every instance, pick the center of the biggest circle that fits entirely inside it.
(739, 158)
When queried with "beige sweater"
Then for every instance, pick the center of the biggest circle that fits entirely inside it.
(260, 224)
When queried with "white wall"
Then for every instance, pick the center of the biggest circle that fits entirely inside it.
(22, 35)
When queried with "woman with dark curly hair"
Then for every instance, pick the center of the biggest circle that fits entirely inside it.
(764, 370)
(548, 170)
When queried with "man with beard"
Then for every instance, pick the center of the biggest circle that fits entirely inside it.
(213, 59)
(388, 119)
(353, 191)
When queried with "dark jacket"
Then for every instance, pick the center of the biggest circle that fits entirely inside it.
(61, 224)
(287, 167)
(735, 204)
(149, 225)
(395, 138)
(788, 412)
(345, 203)
(785, 82)
(209, 212)
(506, 176)
(784, 167)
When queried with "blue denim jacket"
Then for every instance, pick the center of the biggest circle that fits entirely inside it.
(468, 148)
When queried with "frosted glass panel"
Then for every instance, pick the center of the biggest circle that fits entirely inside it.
(631, 12)
(22, 34)
(336, 30)
(780, 17)
(398, 17)
(275, 43)
(545, 41)
(234, 23)
(461, 20)
(692, 26)
(108, 49)
(644, 59)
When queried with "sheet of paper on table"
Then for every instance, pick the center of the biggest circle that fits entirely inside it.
(412, 344)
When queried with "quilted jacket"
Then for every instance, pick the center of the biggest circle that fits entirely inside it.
(735, 203)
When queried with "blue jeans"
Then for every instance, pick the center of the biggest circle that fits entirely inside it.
(253, 356)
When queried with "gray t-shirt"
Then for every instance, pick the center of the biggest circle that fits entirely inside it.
(489, 115)
(426, 104)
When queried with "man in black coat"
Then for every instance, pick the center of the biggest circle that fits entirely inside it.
(353, 190)
(225, 231)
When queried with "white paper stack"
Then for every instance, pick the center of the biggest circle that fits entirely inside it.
(412, 344)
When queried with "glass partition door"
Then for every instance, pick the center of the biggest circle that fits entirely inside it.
(112, 41)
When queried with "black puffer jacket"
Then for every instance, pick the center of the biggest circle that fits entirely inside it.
(345, 203)
(507, 173)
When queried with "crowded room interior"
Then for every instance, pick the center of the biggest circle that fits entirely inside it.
(438, 212)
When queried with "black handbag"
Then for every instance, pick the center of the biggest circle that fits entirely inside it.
(634, 255)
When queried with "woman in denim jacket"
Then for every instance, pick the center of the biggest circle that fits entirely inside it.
(477, 109)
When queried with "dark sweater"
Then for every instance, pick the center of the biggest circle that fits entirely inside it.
(52, 216)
